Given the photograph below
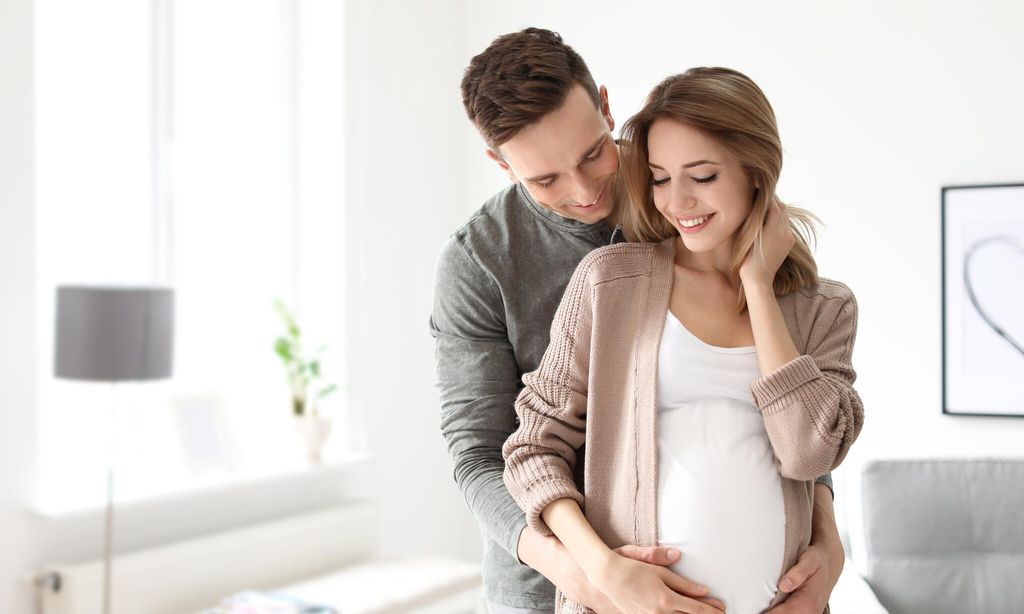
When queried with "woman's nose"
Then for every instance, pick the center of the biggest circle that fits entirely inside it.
(682, 199)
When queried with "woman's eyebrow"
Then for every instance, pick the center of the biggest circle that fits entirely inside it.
(687, 165)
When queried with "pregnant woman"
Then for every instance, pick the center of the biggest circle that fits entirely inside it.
(705, 366)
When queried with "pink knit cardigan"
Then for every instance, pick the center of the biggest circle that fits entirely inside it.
(596, 386)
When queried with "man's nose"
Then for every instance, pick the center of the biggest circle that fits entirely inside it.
(585, 189)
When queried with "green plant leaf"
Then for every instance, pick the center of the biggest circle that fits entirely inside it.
(287, 318)
(326, 391)
(283, 349)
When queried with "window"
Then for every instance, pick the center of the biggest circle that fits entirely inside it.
(195, 144)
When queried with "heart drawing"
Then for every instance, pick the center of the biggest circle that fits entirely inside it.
(982, 311)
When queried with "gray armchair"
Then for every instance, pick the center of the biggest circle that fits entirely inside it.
(945, 536)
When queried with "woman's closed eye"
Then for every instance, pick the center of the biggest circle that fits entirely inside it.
(660, 182)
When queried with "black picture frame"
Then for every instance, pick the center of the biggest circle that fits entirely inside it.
(958, 248)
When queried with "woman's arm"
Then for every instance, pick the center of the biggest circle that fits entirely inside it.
(552, 409)
(631, 585)
(812, 413)
(774, 344)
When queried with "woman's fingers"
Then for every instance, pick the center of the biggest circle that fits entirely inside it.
(695, 606)
(655, 555)
(683, 586)
(692, 596)
(711, 601)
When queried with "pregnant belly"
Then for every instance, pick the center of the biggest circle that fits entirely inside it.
(720, 501)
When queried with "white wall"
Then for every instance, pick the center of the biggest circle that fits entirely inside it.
(406, 185)
(879, 104)
(17, 298)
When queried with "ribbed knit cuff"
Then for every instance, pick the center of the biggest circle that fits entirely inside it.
(787, 378)
(543, 493)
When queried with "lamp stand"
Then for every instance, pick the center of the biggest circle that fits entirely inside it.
(108, 542)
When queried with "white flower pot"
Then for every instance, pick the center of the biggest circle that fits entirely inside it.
(313, 431)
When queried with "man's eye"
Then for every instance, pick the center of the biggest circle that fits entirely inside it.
(544, 184)
(707, 179)
(659, 182)
(595, 154)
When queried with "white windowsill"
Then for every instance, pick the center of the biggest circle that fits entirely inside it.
(213, 484)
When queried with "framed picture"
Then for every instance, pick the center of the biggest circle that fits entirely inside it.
(983, 300)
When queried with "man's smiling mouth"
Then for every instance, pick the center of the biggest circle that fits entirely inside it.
(596, 200)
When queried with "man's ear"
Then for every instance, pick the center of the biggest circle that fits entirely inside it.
(504, 165)
(605, 109)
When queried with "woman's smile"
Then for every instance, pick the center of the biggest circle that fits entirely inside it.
(694, 225)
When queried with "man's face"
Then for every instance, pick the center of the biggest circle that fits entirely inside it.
(567, 160)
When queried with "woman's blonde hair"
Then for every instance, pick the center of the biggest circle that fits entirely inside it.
(729, 107)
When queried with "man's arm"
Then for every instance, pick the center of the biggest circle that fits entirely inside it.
(824, 530)
(478, 379)
(826, 481)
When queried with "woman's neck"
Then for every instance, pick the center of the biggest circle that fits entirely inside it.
(717, 261)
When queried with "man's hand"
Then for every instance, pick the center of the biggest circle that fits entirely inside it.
(818, 568)
(810, 581)
(549, 557)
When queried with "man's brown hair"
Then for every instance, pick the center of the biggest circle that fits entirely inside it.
(520, 78)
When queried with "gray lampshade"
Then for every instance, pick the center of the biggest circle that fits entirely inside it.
(113, 334)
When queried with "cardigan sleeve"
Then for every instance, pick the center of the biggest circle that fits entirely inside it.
(541, 454)
(811, 411)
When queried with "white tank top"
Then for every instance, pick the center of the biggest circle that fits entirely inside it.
(719, 491)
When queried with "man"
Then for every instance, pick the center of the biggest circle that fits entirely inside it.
(499, 281)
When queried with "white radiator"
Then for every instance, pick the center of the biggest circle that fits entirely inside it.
(186, 577)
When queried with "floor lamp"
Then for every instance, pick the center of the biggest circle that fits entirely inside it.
(113, 334)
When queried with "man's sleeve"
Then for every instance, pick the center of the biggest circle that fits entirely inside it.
(478, 379)
(826, 480)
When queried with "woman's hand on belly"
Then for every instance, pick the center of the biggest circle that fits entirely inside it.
(635, 587)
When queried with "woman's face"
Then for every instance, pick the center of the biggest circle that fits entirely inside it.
(699, 187)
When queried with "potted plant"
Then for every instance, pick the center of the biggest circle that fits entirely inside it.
(303, 379)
